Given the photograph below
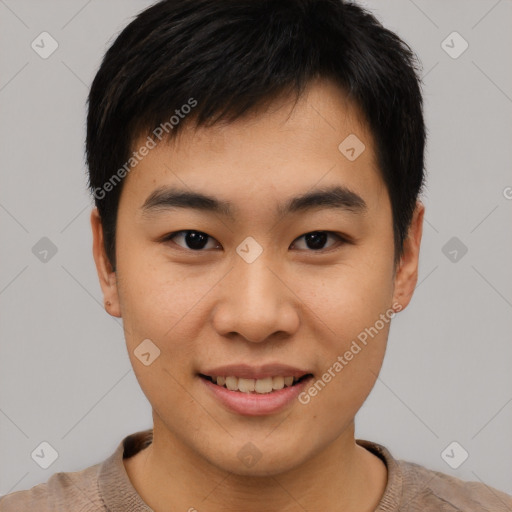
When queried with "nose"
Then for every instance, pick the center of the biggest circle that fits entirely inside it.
(256, 303)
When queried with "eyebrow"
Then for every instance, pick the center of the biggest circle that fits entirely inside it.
(335, 197)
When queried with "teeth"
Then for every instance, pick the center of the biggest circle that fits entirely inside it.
(266, 385)
(263, 385)
(232, 383)
(247, 385)
(277, 382)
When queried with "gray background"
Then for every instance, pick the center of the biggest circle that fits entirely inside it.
(65, 376)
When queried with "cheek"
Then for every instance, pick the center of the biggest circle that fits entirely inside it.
(152, 298)
(158, 308)
(166, 304)
(350, 361)
(353, 304)
(350, 296)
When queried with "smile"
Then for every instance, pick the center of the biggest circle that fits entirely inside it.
(256, 386)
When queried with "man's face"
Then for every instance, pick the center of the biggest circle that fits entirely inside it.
(208, 298)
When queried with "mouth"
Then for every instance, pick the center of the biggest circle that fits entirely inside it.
(260, 386)
(255, 390)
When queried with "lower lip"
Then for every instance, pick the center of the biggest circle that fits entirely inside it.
(255, 404)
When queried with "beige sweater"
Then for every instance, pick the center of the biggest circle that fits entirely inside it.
(106, 487)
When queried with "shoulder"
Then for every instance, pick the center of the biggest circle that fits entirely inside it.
(432, 490)
(414, 488)
(102, 487)
(79, 489)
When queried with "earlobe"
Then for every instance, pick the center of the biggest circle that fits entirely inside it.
(106, 275)
(406, 275)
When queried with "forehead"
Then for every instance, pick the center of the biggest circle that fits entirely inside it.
(281, 150)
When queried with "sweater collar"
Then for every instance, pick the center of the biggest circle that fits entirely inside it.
(119, 495)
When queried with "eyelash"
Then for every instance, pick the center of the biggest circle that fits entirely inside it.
(342, 240)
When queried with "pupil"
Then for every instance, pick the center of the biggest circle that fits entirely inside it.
(316, 240)
(196, 240)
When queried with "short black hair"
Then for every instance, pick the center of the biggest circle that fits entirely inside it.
(224, 58)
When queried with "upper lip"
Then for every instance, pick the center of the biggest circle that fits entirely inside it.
(255, 372)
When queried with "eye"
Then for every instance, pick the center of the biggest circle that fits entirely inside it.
(315, 240)
(198, 240)
(193, 240)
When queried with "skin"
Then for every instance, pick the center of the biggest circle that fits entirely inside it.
(293, 304)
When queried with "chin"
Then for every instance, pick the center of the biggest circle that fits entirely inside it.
(262, 468)
(244, 458)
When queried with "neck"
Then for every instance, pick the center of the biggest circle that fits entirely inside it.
(342, 477)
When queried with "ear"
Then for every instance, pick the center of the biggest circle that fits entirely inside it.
(106, 275)
(406, 275)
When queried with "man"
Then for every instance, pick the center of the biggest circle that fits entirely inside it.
(256, 167)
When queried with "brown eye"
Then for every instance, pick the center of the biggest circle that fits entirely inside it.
(316, 240)
(192, 240)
